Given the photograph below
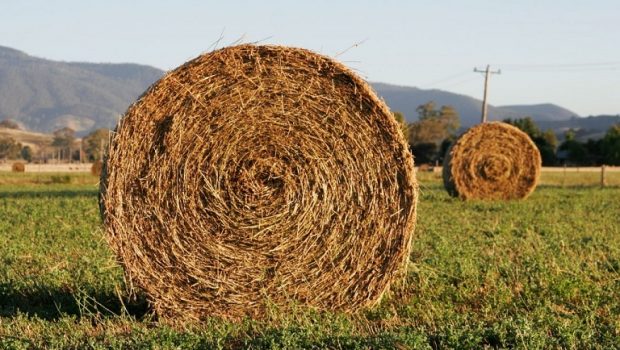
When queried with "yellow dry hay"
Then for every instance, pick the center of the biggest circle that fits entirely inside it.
(258, 175)
(494, 161)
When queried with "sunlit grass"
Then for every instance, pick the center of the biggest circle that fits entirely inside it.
(539, 273)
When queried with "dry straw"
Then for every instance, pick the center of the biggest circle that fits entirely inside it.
(18, 167)
(255, 176)
(96, 168)
(492, 161)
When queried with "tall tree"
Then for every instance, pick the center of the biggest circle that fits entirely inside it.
(9, 148)
(527, 125)
(432, 128)
(64, 140)
(402, 123)
(576, 152)
(546, 142)
(95, 143)
(610, 146)
(427, 110)
(434, 125)
(550, 138)
(26, 153)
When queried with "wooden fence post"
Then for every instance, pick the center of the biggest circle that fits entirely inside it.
(564, 176)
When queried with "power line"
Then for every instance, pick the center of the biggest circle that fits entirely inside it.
(564, 67)
(446, 79)
(459, 82)
(588, 64)
(562, 70)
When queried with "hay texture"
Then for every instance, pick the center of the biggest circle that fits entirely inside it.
(96, 168)
(494, 161)
(18, 167)
(259, 175)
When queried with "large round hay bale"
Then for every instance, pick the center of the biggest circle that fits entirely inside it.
(255, 176)
(492, 161)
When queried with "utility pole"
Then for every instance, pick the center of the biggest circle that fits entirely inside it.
(486, 72)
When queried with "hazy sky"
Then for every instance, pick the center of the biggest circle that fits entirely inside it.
(564, 52)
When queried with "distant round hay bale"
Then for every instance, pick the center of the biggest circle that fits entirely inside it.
(492, 161)
(95, 169)
(255, 176)
(18, 167)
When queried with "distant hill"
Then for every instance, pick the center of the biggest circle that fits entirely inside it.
(593, 127)
(27, 138)
(45, 95)
(539, 112)
(406, 99)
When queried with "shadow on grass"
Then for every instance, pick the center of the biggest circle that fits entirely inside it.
(53, 303)
(34, 193)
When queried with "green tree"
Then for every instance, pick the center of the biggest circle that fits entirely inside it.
(610, 146)
(595, 151)
(433, 125)
(64, 140)
(26, 153)
(576, 152)
(550, 138)
(63, 137)
(94, 144)
(546, 142)
(402, 123)
(427, 110)
(527, 125)
(570, 135)
(451, 119)
(432, 128)
(9, 148)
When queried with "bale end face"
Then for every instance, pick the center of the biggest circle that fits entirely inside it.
(494, 161)
(254, 175)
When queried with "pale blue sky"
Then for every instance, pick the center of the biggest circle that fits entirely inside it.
(564, 52)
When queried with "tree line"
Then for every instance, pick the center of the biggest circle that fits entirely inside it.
(432, 134)
(65, 146)
(429, 139)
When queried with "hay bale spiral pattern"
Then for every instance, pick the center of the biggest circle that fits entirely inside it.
(259, 175)
(494, 161)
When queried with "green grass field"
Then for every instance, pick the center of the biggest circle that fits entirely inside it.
(539, 273)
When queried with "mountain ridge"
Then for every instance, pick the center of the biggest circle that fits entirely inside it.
(44, 95)
(405, 99)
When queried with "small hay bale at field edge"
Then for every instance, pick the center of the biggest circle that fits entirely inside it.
(18, 167)
(494, 161)
(259, 175)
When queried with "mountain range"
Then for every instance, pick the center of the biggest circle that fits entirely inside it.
(44, 95)
(405, 99)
